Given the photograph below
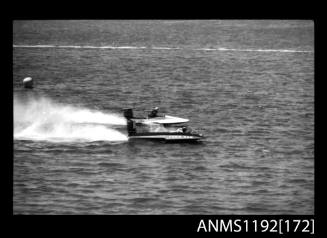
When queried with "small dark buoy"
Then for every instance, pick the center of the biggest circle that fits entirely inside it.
(28, 82)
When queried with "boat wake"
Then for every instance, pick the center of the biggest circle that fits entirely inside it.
(161, 48)
(44, 119)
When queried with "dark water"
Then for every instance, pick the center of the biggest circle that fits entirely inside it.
(246, 85)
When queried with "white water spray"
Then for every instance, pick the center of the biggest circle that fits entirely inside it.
(43, 119)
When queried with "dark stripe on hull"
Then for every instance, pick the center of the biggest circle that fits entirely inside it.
(171, 137)
(198, 140)
(166, 134)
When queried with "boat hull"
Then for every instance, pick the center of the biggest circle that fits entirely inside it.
(173, 137)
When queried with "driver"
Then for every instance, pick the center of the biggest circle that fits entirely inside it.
(154, 112)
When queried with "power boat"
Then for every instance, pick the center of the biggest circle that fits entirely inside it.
(159, 127)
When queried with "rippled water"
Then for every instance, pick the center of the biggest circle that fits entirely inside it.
(246, 85)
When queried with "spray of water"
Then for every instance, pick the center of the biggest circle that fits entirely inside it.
(43, 119)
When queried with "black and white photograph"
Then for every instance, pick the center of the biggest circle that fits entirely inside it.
(163, 117)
